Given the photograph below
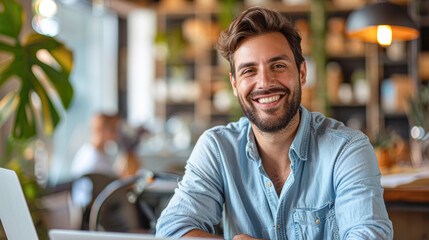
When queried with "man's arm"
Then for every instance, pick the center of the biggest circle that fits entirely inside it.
(200, 233)
(197, 202)
(360, 209)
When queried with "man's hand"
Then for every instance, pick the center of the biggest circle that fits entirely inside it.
(200, 233)
(244, 237)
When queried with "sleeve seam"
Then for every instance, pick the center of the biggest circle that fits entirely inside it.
(355, 138)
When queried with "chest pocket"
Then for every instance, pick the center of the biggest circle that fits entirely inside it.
(319, 223)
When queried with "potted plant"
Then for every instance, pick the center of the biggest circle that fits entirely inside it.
(384, 144)
(418, 117)
(34, 83)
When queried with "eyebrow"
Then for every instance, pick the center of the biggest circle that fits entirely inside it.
(281, 57)
(244, 65)
(273, 59)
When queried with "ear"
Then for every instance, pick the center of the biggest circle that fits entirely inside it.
(233, 84)
(303, 73)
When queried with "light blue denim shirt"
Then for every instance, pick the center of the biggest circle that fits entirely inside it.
(332, 192)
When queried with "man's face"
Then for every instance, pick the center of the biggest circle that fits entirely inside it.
(268, 83)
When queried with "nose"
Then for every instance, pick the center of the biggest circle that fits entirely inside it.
(264, 78)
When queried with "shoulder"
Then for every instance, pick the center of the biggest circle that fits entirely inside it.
(84, 160)
(346, 147)
(86, 151)
(324, 127)
(232, 132)
(220, 143)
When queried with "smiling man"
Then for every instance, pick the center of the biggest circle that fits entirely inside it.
(281, 172)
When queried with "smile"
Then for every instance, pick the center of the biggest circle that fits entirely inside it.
(269, 99)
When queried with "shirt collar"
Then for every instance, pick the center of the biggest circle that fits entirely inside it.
(302, 138)
(251, 149)
(299, 145)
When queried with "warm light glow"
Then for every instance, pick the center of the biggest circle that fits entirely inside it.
(384, 35)
(417, 132)
(47, 8)
(46, 26)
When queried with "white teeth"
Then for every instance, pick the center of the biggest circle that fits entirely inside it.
(269, 100)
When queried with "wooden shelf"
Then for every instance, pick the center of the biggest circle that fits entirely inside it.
(186, 9)
(354, 105)
(304, 8)
(419, 194)
(346, 55)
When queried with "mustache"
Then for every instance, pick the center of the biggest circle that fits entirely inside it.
(284, 90)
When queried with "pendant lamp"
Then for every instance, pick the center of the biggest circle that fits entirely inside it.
(381, 22)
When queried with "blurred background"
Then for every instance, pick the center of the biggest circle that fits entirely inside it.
(152, 66)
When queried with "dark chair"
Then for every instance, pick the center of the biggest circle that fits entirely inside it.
(133, 204)
(83, 192)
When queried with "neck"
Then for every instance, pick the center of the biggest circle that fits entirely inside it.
(274, 147)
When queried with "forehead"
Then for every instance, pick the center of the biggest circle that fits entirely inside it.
(262, 47)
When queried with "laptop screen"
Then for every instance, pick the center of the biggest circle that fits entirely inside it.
(58, 234)
(14, 213)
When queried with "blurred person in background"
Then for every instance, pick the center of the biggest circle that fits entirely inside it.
(108, 155)
(98, 155)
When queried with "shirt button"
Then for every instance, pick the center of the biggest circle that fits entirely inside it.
(317, 221)
(269, 184)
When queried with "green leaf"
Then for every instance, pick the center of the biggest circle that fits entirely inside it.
(25, 126)
(60, 82)
(56, 75)
(50, 114)
(25, 57)
(11, 18)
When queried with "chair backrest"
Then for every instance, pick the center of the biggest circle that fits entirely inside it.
(83, 192)
(133, 204)
(14, 213)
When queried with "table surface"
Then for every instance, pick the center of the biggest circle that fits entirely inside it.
(416, 190)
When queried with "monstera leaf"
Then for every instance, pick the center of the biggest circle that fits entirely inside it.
(40, 66)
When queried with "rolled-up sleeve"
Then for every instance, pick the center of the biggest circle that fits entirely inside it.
(360, 208)
(198, 200)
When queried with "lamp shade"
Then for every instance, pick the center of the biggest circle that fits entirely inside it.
(363, 23)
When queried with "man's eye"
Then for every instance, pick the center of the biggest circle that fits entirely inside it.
(279, 66)
(246, 71)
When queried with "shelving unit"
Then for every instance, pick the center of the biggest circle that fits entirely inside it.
(207, 72)
(199, 61)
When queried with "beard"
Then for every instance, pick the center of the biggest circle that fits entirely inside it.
(273, 124)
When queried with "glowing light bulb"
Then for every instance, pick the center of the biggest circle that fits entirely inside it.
(46, 26)
(384, 35)
(47, 8)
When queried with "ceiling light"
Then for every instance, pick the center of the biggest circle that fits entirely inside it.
(380, 22)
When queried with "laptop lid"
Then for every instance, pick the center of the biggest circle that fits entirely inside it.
(14, 213)
(62, 234)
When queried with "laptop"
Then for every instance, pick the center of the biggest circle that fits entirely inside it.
(59, 234)
(17, 223)
(14, 213)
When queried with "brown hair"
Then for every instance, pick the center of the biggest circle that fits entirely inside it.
(255, 21)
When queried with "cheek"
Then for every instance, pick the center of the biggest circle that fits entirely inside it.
(244, 87)
(290, 80)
